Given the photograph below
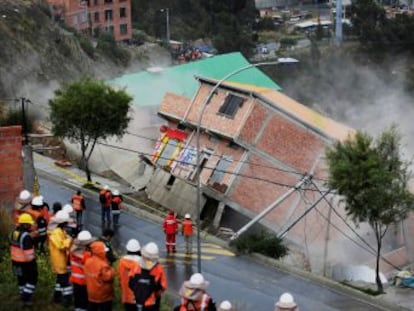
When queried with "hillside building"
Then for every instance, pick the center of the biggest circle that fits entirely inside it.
(95, 16)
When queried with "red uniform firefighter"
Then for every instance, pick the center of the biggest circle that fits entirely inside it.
(187, 232)
(78, 204)
(23, 258)
(170, 227)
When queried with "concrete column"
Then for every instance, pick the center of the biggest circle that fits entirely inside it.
(28, 168)
(219, 214)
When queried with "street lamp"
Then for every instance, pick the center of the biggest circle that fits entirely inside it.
(200, 117)
(167, 23)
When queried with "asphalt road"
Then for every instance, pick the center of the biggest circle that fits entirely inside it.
(248, 284)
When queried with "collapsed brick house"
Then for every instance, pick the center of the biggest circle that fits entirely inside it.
(255, 145)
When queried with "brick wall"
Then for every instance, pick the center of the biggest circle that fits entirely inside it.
(11, 164)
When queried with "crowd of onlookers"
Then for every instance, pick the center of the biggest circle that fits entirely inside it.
(85, 265)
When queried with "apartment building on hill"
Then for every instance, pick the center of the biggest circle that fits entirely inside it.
(95, 16)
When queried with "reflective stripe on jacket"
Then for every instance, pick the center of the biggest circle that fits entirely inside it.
(199, 305)
(187, 227)
(17, 251)
(77, 202)
(77, 267)
(170, 224)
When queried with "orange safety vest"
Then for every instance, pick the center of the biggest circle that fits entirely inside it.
(18, 253)
(126, 264)
(77, 202)
(199, 305)
(77, 267)
(187, 227)
(108, 197)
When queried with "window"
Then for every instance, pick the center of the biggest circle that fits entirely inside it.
(170, 182)
(169, 149)
(204, 156)
(123, 28)
(95, 2)
(122, 12)
(108, 15)
(96, 17)
(231, 104)
(220, 170)
(110, 29)
(108, 1)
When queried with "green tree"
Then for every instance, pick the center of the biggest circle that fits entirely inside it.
(88, 110)
(372, 177)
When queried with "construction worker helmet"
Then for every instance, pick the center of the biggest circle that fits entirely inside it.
(133, 246)
(150, 251)
(37, 201)
(187, 216)
(67, 208)
(26, 219)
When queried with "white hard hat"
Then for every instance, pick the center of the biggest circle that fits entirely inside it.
(61, 216)
(67, 208)
(37, 201)
(225, 305)
(286, 301)
(115, 192)
(25, 196)
(106, 187)
(133, 246)
(197, 278)
(150, 251)
(84, 235)
(187, 216)
(197, 281)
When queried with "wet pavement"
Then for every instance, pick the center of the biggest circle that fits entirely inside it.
(250, 283)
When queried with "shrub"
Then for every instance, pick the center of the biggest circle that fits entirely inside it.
(264, 243)
(109, 47)
(86, 46)
(288, 41)
(14, 117)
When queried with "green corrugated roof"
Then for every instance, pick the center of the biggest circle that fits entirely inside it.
(148, 89)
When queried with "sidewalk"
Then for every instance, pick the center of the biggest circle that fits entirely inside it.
(395, 298)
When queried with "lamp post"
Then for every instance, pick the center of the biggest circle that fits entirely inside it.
(200, 117)
(167, 23)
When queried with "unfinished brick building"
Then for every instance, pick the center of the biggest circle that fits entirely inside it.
(96, 16)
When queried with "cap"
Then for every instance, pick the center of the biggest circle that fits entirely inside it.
(188, 216)
(84, 235)
(61, 217)
(25, 197)
(115, 192)
(37, 201)
(197, 281)
(286, 301)
(133, 246)
(150, 251)
(67, 208)
(225, 306)
(26, 219)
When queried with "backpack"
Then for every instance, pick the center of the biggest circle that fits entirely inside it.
(102, 197)
(142, 285)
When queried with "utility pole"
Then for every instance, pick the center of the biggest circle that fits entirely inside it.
(24, 122)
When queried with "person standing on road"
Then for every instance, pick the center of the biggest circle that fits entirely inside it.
(286, 303)
(99, 276)
(170, 227)
(23, 258)
(126, 264)
(116, 206)
(105, 198)
(194, 295)
(78, 204)
(79, 253)
(148, 281)
(59, 246)
(187, 232)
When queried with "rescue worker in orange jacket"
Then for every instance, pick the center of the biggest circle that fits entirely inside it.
(194, 296)
(99, 276)
(23, 258)
(105, 198)
(21, 205)
(187, 232)
(39, 234)
(152, 275)
(78, 204)
(59, 246)
(79, 253)
(170, 227)
(126, 264)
